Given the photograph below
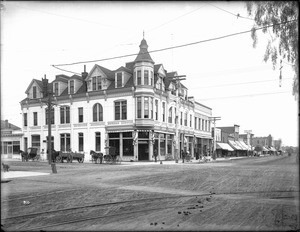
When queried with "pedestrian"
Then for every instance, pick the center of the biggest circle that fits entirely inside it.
(155, 154)
(42, 155)
(183, 156)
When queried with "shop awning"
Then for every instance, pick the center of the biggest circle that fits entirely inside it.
(117, 131)
(243, 145)
(272, 149)
(224, 146)
(265, 149)
(234, 145)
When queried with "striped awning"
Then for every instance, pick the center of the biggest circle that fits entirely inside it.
(224, 146)
(234, 145)
(118, 131)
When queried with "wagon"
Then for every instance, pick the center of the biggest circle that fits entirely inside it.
(70, 156)
(31, 153)
(110, 156)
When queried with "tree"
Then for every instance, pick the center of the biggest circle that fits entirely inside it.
(284, 45)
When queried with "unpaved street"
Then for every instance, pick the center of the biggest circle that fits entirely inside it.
(256, 193)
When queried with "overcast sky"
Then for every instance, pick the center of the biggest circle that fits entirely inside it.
(228, 75)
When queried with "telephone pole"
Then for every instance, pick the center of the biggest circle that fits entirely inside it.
(214, 119)
(177, 139)
(48, 93)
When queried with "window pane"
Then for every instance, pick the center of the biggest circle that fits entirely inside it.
(80, 141)
(139, 107)
(25, 119)
(80, 114)
(146, 107)
(124, 110)
(117, 110)
(94, 83)
(67, 114)
(98, 141)
(62, 115)
(139, 77)
(146, 76)
(128, 147)
(100, 113)
(119, 80)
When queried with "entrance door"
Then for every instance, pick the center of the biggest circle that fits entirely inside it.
(115, 143)
(143, 150)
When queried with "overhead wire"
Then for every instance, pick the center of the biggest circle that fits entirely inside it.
(237, 15)
(239, 96)
(173, 47)
(241, 83)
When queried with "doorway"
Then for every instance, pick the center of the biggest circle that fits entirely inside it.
(143, 149)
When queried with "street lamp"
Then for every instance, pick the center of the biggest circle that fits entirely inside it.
(177, 79)
(214, 119)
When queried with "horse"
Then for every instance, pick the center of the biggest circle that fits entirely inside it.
(54, 155)
(96, 156)
(24, 155)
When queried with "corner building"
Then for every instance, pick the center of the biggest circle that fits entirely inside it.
(136, 109)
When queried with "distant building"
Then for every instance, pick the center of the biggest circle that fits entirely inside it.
(11, 137)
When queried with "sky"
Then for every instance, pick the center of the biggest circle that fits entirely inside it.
(227, 75)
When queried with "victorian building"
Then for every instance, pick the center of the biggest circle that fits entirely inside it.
(138, 108)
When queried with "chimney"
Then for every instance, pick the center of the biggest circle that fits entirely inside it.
(84, 75)
(6, 124)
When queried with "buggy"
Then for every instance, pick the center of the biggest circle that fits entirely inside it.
(111, 156)
(31, 153)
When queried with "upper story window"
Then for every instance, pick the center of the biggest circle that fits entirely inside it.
(34, 92)
(56, 88)
(146, 107)
(94, 83)
(72, 87)
(120, 110)
(80, 114)
(80, 142)
(25, 119)
(97, 112)
(139, 77)
(163, 111)
(202, 124)
(52, 116)
(35, 118)
(119, 83)
(64, 115)
(180, 118)
(151, 78)
(156, 109)
(146, 77)
(190, 120)
(185, 119)
(139, 107)
(170, 115)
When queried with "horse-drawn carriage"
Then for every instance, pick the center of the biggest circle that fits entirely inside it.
(110, 157)
(30, 154)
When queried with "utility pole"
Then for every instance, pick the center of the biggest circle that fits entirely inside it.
(48, 93)
(177, 139)
(249, 140)
(214, 119)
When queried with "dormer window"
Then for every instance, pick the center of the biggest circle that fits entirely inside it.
(119, 80)
(34, 92)
(71, 87)
(96, 83)
(56, 89)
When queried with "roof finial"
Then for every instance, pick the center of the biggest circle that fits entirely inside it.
(143, 34)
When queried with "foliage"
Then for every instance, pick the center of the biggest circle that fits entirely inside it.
(283, 41)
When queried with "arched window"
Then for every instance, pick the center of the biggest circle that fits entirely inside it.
(97, 112)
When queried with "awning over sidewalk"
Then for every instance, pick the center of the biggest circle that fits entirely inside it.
(224, 146)
(265, 149)
(243, 145)
(234, 145)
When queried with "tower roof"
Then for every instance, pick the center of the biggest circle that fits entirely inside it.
(143, 54)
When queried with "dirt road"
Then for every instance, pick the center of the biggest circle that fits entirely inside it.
(257, 193)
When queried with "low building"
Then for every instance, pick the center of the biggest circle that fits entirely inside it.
(139, 109)
(11, 137)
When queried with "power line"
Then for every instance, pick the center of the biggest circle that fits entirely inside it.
(237, 15)
(242, 83)
(238, 96)
(168, 48)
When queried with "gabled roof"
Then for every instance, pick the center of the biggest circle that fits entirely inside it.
(6, 125)
(38, 82)
(108, 73)
(144, 54)
(62, 78)
(122, 68)
(76, 77)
